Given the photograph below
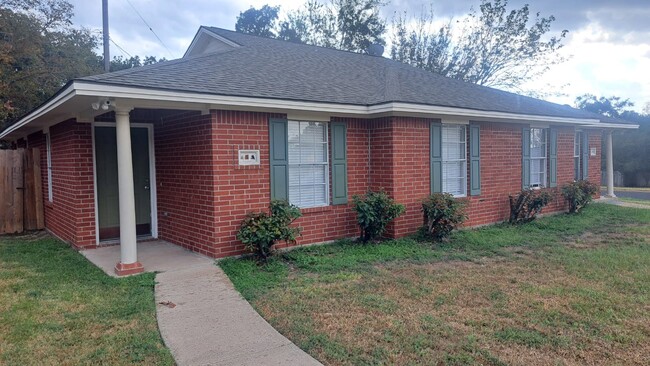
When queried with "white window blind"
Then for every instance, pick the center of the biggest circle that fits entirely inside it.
(48, 148)
(308, 164)
(538, 150)
(454, 160)
(577, 143)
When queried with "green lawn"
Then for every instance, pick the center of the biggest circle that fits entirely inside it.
(57, 308)
(567, 289)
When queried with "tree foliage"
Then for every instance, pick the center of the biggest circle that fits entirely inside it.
(493, 46)
(258, 22)
(39, 52)
(607, 106)
(631, 147)
(122, 63)
(351, 25)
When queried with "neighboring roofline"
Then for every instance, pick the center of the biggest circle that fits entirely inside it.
(205, 30)
(212, 101)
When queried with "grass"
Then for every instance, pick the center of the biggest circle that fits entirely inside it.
(564, 289)
(57, 308)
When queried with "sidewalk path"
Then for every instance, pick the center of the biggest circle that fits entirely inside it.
(617, 202)
(205, 321)
(211, 324)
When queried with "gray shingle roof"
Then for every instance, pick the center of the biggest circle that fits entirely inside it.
(269, 68)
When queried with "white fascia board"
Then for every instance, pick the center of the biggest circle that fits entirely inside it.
(616, 126)
(399, 107)
(63, 97)
(92, 89)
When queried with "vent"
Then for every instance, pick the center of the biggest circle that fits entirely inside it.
(375, 50)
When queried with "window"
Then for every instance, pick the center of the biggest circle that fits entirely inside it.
(308, 164)
(454, 160)
(48, 147)
(577, 153)
(538, 150)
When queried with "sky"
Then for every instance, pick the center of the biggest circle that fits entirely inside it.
(608, 44)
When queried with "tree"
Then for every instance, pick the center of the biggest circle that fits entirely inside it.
(39, 53)
(633, 147)
(351, 25)
(121, 63)
(493, 46)
(258, 22)
(611, 107)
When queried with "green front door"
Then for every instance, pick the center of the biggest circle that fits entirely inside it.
(107, 184)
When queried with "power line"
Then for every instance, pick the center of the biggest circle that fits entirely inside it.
(151, 29)
(121, 49)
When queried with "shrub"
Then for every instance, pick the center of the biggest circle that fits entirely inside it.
(375, 210)
(525, 206)
(260, 231)
(443, 213)
(579, 194)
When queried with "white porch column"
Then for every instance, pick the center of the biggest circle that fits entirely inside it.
(610, 165)
(128, 263)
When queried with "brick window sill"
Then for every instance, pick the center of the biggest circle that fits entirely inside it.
(312, 210)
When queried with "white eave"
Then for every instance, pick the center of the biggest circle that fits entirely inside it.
(76, 98)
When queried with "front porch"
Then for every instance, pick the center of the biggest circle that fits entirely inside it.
(155, 256)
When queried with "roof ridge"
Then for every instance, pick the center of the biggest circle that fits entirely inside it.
(285, 41)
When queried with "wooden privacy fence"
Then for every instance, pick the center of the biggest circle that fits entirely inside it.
(21, 191)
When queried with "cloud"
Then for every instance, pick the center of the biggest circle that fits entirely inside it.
(609, 41)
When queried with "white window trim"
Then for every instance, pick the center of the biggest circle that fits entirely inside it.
(464, 161)
(326, 164)
(577, 142)
(48, 148)
(544, 157)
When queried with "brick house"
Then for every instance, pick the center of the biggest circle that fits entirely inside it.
(182, 150)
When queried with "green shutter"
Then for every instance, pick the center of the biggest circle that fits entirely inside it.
(474, 160)
(435, 143)
(552, 158)
(585, 155)
(525, 158)
(278, 137)
(339, 164)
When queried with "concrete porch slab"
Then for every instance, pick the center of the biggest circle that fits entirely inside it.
(155, 256)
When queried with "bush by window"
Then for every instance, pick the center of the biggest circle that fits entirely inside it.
(527, 204)
(375, 210)
(579, 194)
(443, 213)
(260, 231)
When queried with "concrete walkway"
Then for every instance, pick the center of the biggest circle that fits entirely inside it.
(617, 202)
(202, 318)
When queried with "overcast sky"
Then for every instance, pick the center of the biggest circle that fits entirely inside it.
(608, 42)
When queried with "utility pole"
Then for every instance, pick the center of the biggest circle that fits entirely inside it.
(107, 55)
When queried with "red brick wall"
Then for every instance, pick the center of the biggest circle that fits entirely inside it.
(71, 214)
(184, 178)
(595, 140)
(203, 194)
(239, 190)
(411, 171)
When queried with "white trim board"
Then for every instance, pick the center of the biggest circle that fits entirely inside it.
(169, 99)
(152, 177)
